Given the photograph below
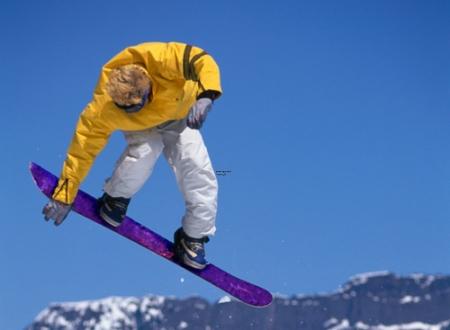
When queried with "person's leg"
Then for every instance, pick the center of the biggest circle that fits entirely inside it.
(132, 170)
(186, 153)
(136, 163)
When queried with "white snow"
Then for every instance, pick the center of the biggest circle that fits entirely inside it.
(112, 312)
(362, 278)
(335, 324)
(224, 300)
(410, 300)
(62, 322)
(183, 325)
(406, 326)
(429, 281)
(154, 312)
(424, 280)
(362, 326)
(132, 308)
(418, 277)
(42, 315)
(330, 322)
(344, 324)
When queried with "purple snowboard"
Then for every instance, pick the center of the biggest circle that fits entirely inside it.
(86, 205)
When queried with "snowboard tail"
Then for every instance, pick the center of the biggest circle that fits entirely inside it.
(86, 205)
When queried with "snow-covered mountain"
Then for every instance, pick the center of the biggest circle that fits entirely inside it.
(372, 301)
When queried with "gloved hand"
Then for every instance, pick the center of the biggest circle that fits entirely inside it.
(56, 211)
(198, 113)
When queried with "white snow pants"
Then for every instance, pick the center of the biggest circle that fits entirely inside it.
(186, 153)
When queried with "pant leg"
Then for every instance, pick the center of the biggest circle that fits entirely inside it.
(136, 163)
(186, 153)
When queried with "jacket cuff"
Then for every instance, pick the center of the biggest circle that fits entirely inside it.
(66, 191)
(210, 94)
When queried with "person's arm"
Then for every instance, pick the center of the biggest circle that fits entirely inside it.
(192, 63)
(90, 137)
(205, 70)
(186, 62)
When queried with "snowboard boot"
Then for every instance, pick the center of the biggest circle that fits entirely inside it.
(190, 251)
(113, 209)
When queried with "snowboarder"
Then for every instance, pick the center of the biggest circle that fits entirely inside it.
(158, 95)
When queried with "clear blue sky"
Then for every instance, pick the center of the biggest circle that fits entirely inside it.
(334, 122)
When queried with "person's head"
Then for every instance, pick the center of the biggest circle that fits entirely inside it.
(129, 87)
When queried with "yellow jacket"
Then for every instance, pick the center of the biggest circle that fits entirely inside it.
(178, 73)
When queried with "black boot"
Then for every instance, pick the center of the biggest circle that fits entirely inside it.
(113, 209)
(190, 251)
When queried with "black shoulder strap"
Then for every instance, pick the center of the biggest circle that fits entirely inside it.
(188, 64)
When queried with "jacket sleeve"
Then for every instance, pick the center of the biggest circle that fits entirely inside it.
(208, 74)
(192, 63)
(90, 137)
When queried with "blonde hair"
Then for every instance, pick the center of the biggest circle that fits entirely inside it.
(127, 84)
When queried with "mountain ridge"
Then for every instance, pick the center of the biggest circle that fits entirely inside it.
(373, 301)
